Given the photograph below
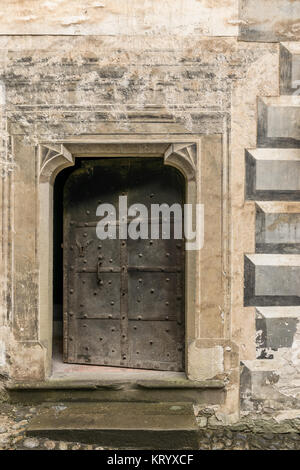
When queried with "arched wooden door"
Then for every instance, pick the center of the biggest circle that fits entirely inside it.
(123, 299)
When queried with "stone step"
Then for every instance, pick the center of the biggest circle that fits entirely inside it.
(272, 280)
(277, 227)
(272, 174)
(289, 68)
(209, 392)
(120, 425)
(278, 123)
(276, 328)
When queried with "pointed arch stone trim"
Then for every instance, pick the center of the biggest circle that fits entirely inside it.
(183, 156)
(53, 159)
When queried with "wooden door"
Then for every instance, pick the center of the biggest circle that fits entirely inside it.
(123, 298)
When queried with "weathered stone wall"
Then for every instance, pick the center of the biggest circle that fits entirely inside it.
(131, 68)
(269, 20)
(272, 21)
(117, 18)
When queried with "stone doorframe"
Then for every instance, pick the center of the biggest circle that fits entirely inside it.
(37, 152)
(53, 158)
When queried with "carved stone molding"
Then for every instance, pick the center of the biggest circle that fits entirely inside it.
(183, 157)
(53, 159)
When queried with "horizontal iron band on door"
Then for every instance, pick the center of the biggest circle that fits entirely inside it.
(129, 219)
(154, 269)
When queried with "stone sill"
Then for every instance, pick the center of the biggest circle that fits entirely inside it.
(115, 385)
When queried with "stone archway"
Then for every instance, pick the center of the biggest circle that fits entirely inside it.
(210, 353)
(53, 159)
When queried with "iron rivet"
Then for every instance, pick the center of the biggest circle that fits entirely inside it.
(112, 303)
(152, 291)
(84, 326)
(137, 352)
(139, 317)
(124, 357)
(95, 293)
(140, 280)
(151, 342)
(167, 318)
(109, 282)
(167, 279)
(81, 305)
(110, 260)
(167, 254)
(151, 242)
(71, 291)
(140, 255)
(138, 300)
(167, 303)
(85, 234)
(85, 261)
(87, 212)
(109, 316)
(86, 348)
(100, 339)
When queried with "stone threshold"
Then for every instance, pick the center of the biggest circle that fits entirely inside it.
(65, 384)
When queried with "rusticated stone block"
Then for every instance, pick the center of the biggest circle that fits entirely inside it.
(290, 68)
(278, 122)
(273, 174)
(272, 279)
(277, 227)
